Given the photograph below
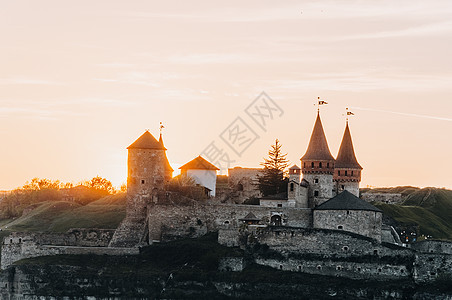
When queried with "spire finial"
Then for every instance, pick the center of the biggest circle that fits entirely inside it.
(161, 129)
(319, 103)
(347, 114)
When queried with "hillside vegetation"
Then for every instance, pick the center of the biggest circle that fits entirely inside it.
(430, 209)
(59, 216)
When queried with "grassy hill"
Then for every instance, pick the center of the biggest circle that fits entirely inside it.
(430, 209)
(59, 216)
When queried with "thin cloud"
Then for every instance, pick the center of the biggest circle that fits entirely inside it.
(27, 81)
(137, 78)
(403, 114)
(362, 81)
(256, 12)
(423, 30)
(117, 65)
(35, 113)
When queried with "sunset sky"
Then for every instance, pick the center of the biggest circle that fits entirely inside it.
(81, 80)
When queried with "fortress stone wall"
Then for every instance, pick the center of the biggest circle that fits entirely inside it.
(243, 182)
(168, 222)
(322, 242)
(353, 270)
(19, 246)
(428, 267)
(336, 253)
(432, 246)
(367, 223)
(395, 198)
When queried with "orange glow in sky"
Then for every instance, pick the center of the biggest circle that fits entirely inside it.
(81, 80)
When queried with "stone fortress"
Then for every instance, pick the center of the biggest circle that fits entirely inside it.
(320, 227)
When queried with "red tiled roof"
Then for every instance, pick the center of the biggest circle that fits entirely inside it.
(198, 163)
(147, 141)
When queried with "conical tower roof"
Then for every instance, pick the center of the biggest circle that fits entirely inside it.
(346, 157)
(167, 164)
(318, 146)
(147, 141)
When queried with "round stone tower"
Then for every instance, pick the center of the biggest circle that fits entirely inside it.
(347, 170)
(148, 171)
(317, 166)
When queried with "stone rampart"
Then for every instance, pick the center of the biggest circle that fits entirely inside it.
(431, 246)
(19, 246)
(168, 222)
(353, 270)
(323, 242)
(429, 267)
(388, 198)
(366, 223)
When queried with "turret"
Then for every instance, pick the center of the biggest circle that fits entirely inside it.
(148, 171)
(347, 170)
(297, 191)
(295, 173)
(318, 166)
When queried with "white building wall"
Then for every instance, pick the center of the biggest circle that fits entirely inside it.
(206, 178)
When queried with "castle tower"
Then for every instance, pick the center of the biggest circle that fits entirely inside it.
(317, 166)
(148, 171)
(347, 170)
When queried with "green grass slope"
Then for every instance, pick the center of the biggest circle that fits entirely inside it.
(60, 216)
(429, 208)
(438, 201)
(104, 213)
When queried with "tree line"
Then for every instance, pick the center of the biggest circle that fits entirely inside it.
(43, 189)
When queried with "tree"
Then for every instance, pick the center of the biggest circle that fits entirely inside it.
(100, 184)
(272, 181)
(37, 184)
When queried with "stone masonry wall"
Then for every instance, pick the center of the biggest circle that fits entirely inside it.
(243, 183)
(146, 176)
(167, 222)
(338, 253)
(367, 223)
(429, 246)
(324, 242)
(429, 267)
(19, 246)
(350, 186)
(324, 187)
(353, 270)
(396, 198)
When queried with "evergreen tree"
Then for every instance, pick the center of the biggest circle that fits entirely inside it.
(272, 180)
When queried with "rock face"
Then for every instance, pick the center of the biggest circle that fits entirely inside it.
(69, 282)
